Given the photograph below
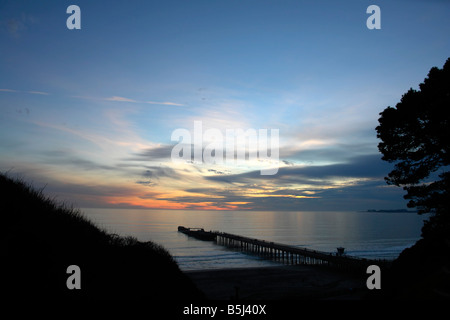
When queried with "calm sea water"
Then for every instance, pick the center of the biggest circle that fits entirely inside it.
(375, 235)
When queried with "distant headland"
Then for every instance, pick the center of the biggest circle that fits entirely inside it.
(390, 210)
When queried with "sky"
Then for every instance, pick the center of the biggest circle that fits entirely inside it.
(88, 114)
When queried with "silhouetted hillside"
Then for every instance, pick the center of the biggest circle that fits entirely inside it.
(420, 272)
(42, 238)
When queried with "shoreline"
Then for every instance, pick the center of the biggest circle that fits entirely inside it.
(299, 282)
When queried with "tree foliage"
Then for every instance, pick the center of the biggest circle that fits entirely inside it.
(415, 135)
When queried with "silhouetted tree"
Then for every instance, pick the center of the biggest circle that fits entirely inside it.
(415, 136)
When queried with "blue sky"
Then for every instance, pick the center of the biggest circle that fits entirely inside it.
(89, 113)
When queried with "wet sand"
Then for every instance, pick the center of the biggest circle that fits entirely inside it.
(279, 283)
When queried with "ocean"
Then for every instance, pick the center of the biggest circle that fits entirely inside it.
(373, 235)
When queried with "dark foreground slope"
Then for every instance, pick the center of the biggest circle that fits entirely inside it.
(420, 272)
(41, 239)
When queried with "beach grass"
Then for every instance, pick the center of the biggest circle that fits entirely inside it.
(41, 238)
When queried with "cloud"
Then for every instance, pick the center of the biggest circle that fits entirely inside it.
(8, 90)
(362, 196)
(123, 99)
(39, 92)
(30, 92)
(65, 158)
(158, 172)
(80, 193)
(148, 175)
(212, 198)
(218, 171)
(337, 152)
(356, 185)
(148, 183)
(165, 103)
(368, 166)
(100, 141)
(162, 152)
(149, 195)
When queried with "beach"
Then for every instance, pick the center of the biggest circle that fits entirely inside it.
(279, 283)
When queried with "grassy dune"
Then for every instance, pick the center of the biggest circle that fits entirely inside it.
(41, 238)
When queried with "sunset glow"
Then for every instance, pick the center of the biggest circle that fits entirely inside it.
(88, 114)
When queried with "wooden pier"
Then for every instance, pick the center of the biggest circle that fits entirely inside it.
(287, 254)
